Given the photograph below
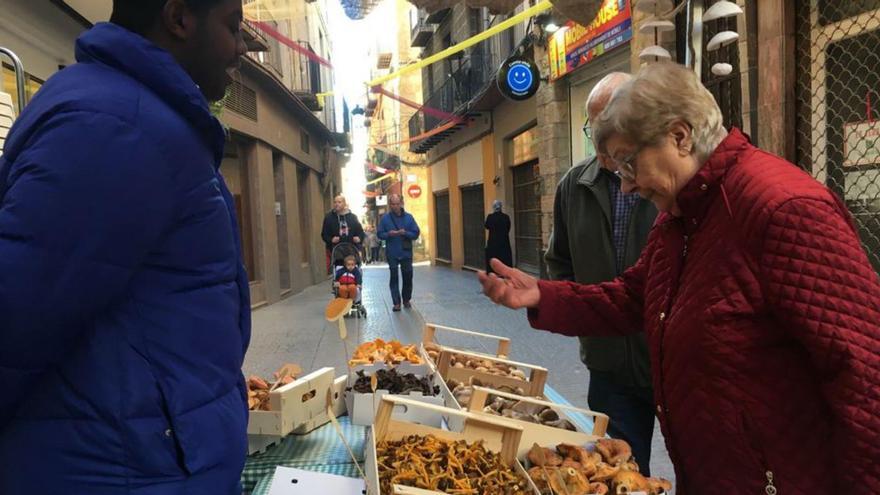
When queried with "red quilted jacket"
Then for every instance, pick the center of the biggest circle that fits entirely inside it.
(763, 320)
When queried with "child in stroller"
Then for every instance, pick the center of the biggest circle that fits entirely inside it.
(347, 276)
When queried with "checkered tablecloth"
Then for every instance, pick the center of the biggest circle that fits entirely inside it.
(320, 450)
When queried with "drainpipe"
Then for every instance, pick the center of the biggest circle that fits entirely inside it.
(19, 78)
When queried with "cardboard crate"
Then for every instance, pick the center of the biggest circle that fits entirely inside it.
(362, 407)
(498, 434)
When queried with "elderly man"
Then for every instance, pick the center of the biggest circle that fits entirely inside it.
(598, 232)
(341, 225)
(399, 229)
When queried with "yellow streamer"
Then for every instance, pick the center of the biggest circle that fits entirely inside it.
(452, 50)
(380, 179)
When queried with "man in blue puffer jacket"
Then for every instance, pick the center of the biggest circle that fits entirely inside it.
(399, 229)
(124, 308)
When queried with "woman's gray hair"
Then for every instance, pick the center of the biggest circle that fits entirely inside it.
(643, 109)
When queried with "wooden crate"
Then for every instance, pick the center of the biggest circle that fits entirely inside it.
(541, 434)
(498, 434)
(298, 407)
(338, 398)
(429, 336)
(532, 386)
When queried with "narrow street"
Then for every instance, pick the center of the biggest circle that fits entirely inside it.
(294, 330)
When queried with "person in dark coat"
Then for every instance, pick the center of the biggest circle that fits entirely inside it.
(341, 225)
(498, 245)
(124, 301)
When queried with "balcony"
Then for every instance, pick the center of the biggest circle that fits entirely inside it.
(438, 16)
(421, 34)
(254, 38)
(452, 96)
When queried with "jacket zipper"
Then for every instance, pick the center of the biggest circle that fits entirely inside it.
(769, 487)
(663, 318)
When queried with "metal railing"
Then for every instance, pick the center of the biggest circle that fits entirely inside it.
(468, 80)
(20, 80)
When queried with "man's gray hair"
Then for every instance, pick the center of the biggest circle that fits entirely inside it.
(643, 110)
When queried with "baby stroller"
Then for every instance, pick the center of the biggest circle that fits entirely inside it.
(337, 260)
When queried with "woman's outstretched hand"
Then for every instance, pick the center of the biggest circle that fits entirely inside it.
(510, 287)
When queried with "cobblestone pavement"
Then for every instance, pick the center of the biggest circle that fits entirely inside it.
(294, 330)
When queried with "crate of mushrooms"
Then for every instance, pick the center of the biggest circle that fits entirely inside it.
(290, 406)
(368, 384)
(541, 420)
(410, 459)
(601, 467)
(431, 347)
(461, 367)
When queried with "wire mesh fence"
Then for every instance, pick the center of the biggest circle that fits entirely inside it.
(837, 130)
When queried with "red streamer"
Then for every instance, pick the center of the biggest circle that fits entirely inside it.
(440, 114)
(266, 28)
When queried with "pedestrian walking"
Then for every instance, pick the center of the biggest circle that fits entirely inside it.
(399, 229)
(498, 244)
(761, 309)
(340, 226)
(124, 301)
(373, 244)
(598, 232)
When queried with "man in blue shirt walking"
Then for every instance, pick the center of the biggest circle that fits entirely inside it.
(399, 229)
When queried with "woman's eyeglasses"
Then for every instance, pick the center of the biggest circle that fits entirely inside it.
(625, 168)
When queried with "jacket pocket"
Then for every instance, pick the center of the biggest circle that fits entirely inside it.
(759, 455)
(152, 442)
(153, 447)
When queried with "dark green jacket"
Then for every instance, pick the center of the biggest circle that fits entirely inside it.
(581, 249)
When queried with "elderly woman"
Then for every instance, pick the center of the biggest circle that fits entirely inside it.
(760, 307)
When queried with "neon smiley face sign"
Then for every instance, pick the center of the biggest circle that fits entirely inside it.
(518, 79)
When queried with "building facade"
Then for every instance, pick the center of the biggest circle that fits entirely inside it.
(388, 119)
(282, 155)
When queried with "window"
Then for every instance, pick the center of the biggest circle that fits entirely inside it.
(304, 141)
(7, 75)
(475, 19)
(242, 100)
(314, 74)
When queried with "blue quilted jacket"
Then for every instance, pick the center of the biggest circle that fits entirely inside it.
(124, 312)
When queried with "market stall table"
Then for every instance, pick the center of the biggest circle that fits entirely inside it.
(323, 451)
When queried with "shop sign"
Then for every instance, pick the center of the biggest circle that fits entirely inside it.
(861, 143)
(414, 191)
(574, 45)
(518, 78)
